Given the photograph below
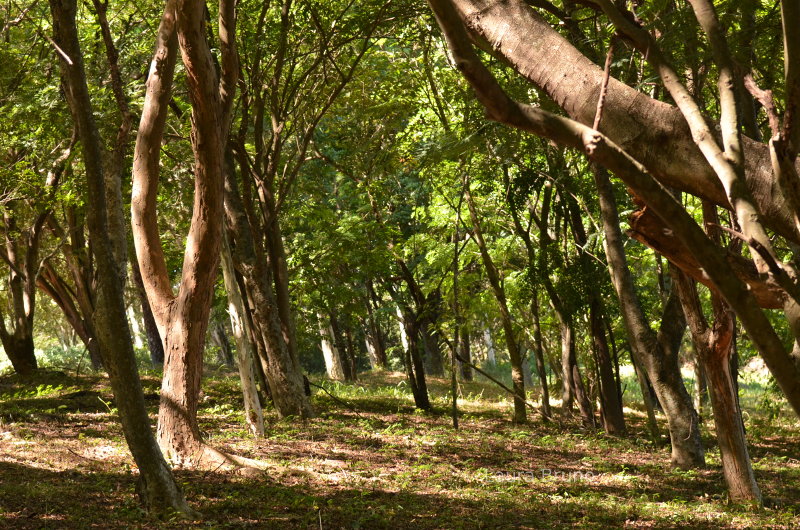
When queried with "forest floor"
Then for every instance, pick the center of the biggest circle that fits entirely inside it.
(376, 464)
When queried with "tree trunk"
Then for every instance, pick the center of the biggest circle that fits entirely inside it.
(136, 330)
(538, 351)
(182, 318)
(375, 334)
(714, 345)
(434, 364)
(489, 344)
(282, 370)
(352, 353)
(412, 359)
(154, 343)
(20, 351)
(573, 389)
(656, 354)
(647, 400)
(517, 378)
(526, 369)
(375, 345)
(157, 487)
(22, 251)
(333, 360)
(339, 339)
(567, 360)
(700, 385)
(220, 338)
(613, 418)
(276, 253)
(245, 354)
(465, 353)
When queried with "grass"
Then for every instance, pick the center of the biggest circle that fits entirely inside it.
(375, 464)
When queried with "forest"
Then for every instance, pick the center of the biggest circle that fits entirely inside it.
(392, 264)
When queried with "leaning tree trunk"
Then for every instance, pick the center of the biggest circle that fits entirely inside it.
(157, 487)
(282, 371)
(517, 377)
(245, 353)
(656, 354)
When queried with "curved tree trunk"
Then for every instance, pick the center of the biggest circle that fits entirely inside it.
(183, 318)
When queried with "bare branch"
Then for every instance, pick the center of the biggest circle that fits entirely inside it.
(604, 86)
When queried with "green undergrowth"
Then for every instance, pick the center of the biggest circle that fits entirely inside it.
(369, 460)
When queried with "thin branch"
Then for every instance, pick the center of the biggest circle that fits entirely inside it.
(604, 86)
(764, 97)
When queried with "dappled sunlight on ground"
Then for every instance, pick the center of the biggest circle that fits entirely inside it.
(375, 463)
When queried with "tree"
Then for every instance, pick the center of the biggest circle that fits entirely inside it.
(733, 174)
(505, 315)
(182, 318)
(157, 487)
